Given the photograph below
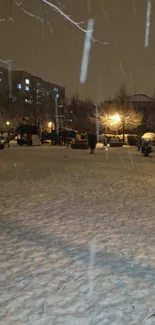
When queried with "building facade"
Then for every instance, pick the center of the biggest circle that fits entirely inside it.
(140, 102)
(3, 79)
(32, 95)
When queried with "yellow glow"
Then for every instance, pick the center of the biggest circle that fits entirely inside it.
(7, 123)
(116, 118)
(50, 124)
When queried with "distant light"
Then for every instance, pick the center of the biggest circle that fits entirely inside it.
(27, 81)
(28, 101)
(7, 123)
(55, 89)
(116, 118)
(19, 86)
(50, 124)
(57, 95)
(27, 88)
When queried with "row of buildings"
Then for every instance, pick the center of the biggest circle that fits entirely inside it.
(140, 102)
(20, 91)
(23, 94)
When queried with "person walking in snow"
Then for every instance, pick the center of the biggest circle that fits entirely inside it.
(105, 141)
(92, 141)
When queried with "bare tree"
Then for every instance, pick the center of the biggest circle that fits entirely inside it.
(120, 115)
(78, 114)
(4, 108)
(129, 118)
(119, 121)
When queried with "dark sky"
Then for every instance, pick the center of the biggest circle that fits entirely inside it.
(57, 57)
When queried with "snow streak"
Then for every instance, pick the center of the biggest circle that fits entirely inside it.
(86, 51)
(9, 64)
(148, 23)
(92, 257)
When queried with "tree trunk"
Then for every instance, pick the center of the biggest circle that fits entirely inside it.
(123, 130)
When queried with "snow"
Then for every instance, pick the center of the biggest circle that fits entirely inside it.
(76, 237)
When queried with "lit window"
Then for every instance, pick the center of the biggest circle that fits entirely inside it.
(55, 89)
(27, 88)
(27, 81)
(19, 86)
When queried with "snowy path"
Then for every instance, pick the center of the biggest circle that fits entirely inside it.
(77, 237)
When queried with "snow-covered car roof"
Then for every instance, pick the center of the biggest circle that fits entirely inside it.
(148, 135)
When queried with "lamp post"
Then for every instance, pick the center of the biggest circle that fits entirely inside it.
(116, 120)
(8, 126)
(97, 121)
(50, 126)
(56, 114)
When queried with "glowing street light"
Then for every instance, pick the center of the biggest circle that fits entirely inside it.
(115, 121)
(8, 125)
(116, 118)
(50, 124)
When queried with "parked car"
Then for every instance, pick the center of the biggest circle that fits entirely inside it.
(149, 137)
(1, 145)
(116, 142)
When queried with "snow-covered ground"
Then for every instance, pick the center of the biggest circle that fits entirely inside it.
(77, 237)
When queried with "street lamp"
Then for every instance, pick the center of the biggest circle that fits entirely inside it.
(8, 125)
(50, 124)
(115, 121)
(116, 118)
(56, 114)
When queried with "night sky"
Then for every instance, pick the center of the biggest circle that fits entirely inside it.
(57, 56)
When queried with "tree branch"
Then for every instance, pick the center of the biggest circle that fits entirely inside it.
(6, 61)
(73, 22)
(57, 9)
(30, 14)
(3, 20)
